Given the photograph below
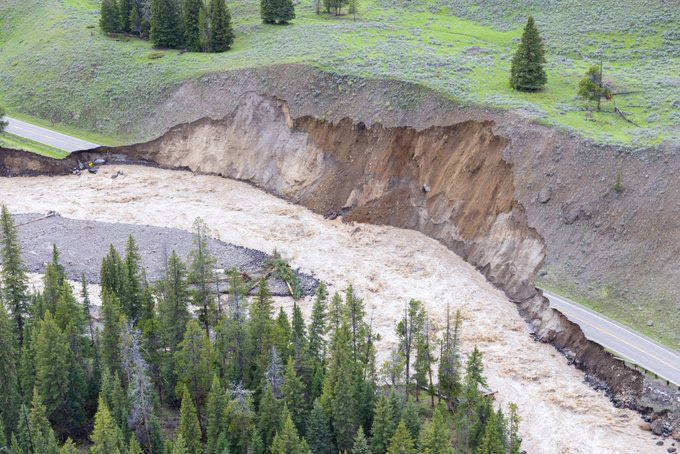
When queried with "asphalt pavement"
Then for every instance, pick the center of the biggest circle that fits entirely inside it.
(623, 341)
(47, 136)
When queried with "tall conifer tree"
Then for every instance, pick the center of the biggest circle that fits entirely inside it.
(527, 73)
(14, 280)
(221, 33)
(165, 24)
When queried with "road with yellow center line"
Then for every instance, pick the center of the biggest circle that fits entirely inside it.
(623, 341)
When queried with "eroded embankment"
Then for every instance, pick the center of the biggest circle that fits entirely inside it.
(449, 182)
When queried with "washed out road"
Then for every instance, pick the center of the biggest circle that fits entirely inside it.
(47, 136)
(623, 341)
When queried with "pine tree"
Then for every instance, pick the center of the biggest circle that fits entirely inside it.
(215, 407)
(51, 288)
(9, 397)
(52, 357)
(383, 425)
(69, 447)
(106, 437)
(317, 326)
(261, 328)
(189, 428)
(268, 11)
(193, 364)
(41, 437)
(180, 446)
(201, 274)
(285, 11)
(109, 18)
(173, 307)
(165, 24)
(134, 446)
(240, 419)
(294, 396)
(338, 396)
(132, 300)
(114, 276)
(269, 414)
(125, 8)
(319, 432)
(411, 420)
(360, 445)
(494, 440)
(436, 438)
(592, 88)
(221, 33)
(287, 440)
(407, 329)
(110, 333)
(527, 73)
(423, 361)
(449, 362)
(401, 442)
(514, 440)
(190, 17)
(14, 281)
(69, 315)
(281, 334)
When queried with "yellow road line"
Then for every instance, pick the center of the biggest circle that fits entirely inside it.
(635, 347)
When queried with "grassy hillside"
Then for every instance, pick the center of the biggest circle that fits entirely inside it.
(57, 65)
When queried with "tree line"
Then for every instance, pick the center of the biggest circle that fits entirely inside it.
(194, 25)
(233, 376)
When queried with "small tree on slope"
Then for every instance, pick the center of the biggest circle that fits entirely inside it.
(527, 73)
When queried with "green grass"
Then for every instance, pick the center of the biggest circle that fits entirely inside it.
(8, 140)
(72, 75)
(619, 306)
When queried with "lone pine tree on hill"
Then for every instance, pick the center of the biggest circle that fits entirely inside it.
(277, 11)
(527, 73)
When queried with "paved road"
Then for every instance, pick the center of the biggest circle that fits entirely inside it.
(625, 342)
(47, 136)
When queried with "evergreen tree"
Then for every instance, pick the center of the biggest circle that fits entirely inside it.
(87, 308)
(165, 24)
(383, 425)
(201, 274)
(180, 446)
(527, 73)
(51, 289)
(338, 396)
(423, 361)
(287, 440)
(514, 440)
(294, 396)
(281, 334)
(109, 17)
(269, 415)
(436, 438)
(125, 8)
(494, 440)
(407, 330)
(261, 328)
(191, 10)
(319, 431)
(401, 442)
(193, 364)
(268, 11)
(335, 313)
(14, 281)
(411, 420)
(317, 326)
(110, 333)
(189, 428)
(133, 298)
(69, 315)
(240, 419)
(592, 88)
(9, 397)
(134, 446)
(26, 369)
(215, 408)
(52, 357)
(449, 362)
(119, 407)
(360, 445)
(41, 437)
(113, 275)
(106, 437)
(221, 33)
(285, 11)
(69, 447)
